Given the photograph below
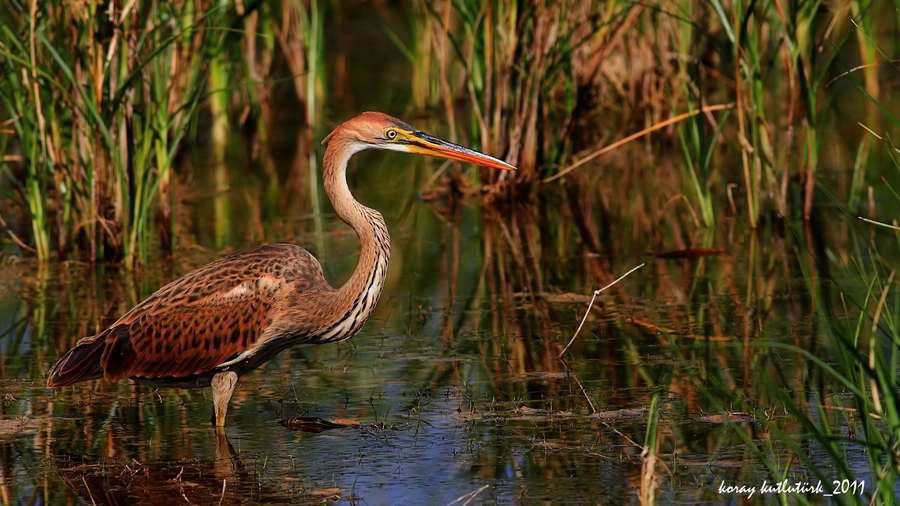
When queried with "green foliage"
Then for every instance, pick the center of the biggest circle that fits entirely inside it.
(100, 99)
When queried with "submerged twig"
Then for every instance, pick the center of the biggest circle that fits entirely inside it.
(468, 497)
(583, 391)
(591, 304)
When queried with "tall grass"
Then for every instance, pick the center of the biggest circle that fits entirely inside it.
(858, 374)
(100, 96)
(539, 80)
(100, 111)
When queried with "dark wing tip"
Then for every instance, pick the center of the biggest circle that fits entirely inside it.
(81, 363)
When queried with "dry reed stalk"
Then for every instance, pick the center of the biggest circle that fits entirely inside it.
(873, 383)
(781, 200)
(292, 39)
(634, 136)
(442, 48)
(591, 304)
(880, 138)
(649, 477)
(861, 67)
(486, 119)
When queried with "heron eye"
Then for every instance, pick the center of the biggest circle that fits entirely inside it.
(391, 134)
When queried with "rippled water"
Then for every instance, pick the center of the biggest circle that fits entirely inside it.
(442, 395)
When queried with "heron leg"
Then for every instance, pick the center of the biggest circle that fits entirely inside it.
(223, 384)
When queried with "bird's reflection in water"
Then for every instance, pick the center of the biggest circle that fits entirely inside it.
(222, 480)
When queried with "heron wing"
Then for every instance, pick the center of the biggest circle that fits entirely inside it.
(191, 338)
(197, 322)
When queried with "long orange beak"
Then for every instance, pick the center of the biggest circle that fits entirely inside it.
(424, 144)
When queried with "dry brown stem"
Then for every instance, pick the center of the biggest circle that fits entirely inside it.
(637, 135)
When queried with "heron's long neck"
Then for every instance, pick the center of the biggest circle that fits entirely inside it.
(357, 298)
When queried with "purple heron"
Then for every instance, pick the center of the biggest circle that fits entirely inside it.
(218, 322)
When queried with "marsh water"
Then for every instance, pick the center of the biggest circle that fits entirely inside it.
(453, 386)
(453, 390)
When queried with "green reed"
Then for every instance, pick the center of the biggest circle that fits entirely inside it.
(516, 65)
(540, 78)
(100, 95)
(847, 395)
(99, 112)
(861, 368)
(541, 83)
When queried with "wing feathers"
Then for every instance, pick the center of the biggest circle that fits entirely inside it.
(201, 321)
(80, 363)
(118, 354)
(199, 339)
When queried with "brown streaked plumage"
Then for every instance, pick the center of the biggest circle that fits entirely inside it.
(222, 320)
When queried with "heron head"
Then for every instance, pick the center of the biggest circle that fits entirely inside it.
(375, 130)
